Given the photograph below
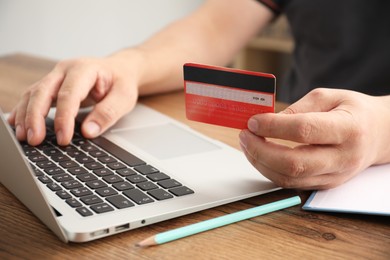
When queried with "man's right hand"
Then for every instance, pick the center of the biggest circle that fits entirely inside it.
(109, 82)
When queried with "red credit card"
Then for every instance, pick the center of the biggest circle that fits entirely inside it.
(226, 97)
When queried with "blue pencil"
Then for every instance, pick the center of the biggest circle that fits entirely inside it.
(189, 230)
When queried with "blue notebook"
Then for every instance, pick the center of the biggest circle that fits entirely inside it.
(366, 193)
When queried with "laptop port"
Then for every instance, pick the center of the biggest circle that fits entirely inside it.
(99, 232)
(122, 227)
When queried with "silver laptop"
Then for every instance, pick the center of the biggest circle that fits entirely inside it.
(145, 169)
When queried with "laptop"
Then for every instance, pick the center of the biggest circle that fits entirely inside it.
(145, 169)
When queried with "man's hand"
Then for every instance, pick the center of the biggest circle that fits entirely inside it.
(340, 133)
(110, 83)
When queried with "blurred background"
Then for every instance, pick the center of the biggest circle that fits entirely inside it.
(63, 29)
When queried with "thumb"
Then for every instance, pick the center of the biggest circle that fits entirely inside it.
(107, 112)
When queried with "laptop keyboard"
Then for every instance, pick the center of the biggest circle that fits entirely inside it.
(96, 176)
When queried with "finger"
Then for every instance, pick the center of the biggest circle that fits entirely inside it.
(317, 100)
(73, 90)
(20, 115)
(309, 128)
(11, 120)
(100, 89)
(322, 181)
(11, 117)
(39, 103)
(300, 161)
(98, 92)
(114, 105)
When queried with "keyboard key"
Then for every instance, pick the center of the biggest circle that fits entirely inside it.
(45, 179)
(106, 159)
(160, 194)
(116, 165)
(25, 146)
(63, 194)
(50, 131)
(51, 136)
(147, 185)
(83, 211)
(94, 165)
(74, 152)
(51, 151)
(44, 145)
(91, 199)
(46, 164)
(60, 158)
(54, 170)
(136, 178)
(112, 179)
(138, 196)
(120, 202)
(80, 192)
(146, 169)
(37, 158)
(107, 191)
(88, 147)
(102, 208)
(123, 186)
(69, 149)
(169, 183)
(98, 153)
(159, 176)
(69, 164)
(54, 186)
(31, 152)
(74, 203)
(103, 172)
(86, 177)
(62, 177)
(126, 172)
(37, 172)
(79, 141)
(77, 170)
(118, 152)
(180, 191)
(52, 139)
(84, 159)
(71, 184)
(96, 184)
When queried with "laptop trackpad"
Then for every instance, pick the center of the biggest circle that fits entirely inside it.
(166, 141)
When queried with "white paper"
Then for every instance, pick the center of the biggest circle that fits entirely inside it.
(367, 193)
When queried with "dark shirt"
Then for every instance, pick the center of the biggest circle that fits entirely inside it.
(338, 44)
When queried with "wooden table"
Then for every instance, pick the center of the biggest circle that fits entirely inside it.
(290, 233)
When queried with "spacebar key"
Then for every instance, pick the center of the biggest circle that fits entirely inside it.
(117, 151)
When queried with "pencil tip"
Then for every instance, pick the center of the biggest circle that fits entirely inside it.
(150, 241)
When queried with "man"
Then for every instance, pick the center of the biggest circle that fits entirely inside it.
(342, 131)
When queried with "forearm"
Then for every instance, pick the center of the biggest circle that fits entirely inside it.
(212, 34)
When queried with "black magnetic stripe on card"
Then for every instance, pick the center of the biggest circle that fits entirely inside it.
(229, 79)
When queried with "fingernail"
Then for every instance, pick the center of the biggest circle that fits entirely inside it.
(243, 140)
(30, 135)
(253, 125)
(18, 131)
(92, 128)
(60, 137)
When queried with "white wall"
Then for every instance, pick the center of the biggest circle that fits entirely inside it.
(70, 28)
